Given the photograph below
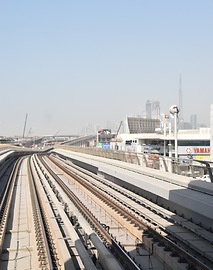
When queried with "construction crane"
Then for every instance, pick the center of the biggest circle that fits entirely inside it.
(121, 123)
(25, 125)
(55, 134)
(29, 132)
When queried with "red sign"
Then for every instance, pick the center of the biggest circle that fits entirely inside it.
(202, 150)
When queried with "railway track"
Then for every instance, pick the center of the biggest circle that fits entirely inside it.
(35, 232)
(27, 236)
(98, 228)
(165, 233)
(22, 245)
(47, 254)
(44, 232)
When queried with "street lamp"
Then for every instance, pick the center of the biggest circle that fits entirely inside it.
(143, 149)
(170, 149)
(174, 110)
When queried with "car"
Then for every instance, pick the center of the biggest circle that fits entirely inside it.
(205, 178)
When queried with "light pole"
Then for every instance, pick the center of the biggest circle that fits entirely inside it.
(174, 110)
(170, 150)
(143, 149)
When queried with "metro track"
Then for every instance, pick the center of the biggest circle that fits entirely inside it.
(164, 226)
(47, 254)
(15, 224)
(39, 230)
(26, 237)
(98, 228)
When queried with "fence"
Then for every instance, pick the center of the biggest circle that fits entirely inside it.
(187, 167)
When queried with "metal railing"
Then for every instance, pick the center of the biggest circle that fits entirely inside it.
(186, 167)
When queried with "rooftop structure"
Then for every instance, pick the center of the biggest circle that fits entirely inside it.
(141, 125)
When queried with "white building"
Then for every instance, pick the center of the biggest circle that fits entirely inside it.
(141, 137)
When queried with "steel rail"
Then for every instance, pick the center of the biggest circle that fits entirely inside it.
(6, 201)
(45, 245)
(167, 242)
(81, 207)
(153, 175)
(94, 223)
(148, 205)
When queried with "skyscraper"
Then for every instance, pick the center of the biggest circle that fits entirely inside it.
(193, 121)
(153, 109)
(148, 109)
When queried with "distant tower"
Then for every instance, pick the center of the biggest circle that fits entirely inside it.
(155, 109)
(194, 121)
(180, 102)
(148, 109)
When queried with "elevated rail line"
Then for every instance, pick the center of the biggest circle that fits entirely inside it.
(35, 218)
(170, 239)
(95, 224)
(29, 246)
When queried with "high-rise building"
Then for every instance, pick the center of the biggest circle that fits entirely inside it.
(193, 121)
(153, 109)
(148, 109)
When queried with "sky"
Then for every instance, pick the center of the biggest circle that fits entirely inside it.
(69, 65)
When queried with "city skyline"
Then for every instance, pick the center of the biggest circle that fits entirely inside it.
(71, 64)
(28, 131)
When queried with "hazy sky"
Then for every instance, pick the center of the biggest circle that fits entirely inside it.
(70, 64)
